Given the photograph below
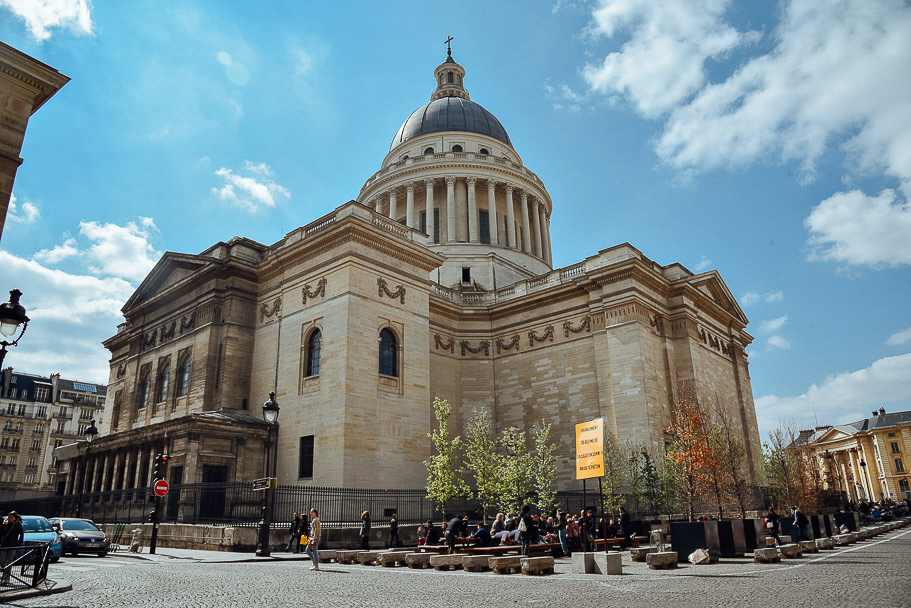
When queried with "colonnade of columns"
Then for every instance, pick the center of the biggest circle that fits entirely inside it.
(535, 223)
(120, 469)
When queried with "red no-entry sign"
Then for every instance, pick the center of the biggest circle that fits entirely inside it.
(161, 487)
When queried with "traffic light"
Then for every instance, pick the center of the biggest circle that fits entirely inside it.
(161, 463)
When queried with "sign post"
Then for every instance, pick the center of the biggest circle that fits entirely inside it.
(590, 461)
(161, 488)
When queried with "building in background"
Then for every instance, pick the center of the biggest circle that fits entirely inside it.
(37, 415)
(437, 282)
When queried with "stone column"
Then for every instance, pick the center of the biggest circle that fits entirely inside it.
(472, 211)
(393, 205)
(550, 252)
(428, 208)
(409, 205)
(542, 219)
(510, 219)
(492, 212)
(450, 210)
(117, 471)
(526, 227)
(537, 241)
(138, 458)
(101, 478)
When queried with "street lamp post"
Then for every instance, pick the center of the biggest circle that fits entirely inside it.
(270, 416)
(90, 433)
(12, 316)
(863, 477)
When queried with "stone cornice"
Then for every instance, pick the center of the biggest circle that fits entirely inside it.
(27, 70)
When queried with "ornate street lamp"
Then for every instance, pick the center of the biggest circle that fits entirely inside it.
(270, 417)
(12, 320)
(863, 477)
(90, 433)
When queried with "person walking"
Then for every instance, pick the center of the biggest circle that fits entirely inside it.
(295, 532)
(394, 541)
(623, 528)
(365, 531)
(771, 525)
(10, 540)
(452, 533)
(525, 527)
(801, 525)
(313, 540)
(561, 530)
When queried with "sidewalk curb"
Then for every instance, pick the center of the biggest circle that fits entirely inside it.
(60, 586)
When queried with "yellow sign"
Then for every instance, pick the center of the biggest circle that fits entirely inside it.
(590, 449)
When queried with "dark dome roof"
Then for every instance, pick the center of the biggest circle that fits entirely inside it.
(451, 114)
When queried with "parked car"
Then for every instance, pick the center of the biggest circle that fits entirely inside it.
(37, 529)
(80, 536)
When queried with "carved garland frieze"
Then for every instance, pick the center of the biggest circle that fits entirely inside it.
(534, 337)
(382, 288)
(503, 345)
(320, 291)
(584, 325)
(265, 312)
(483, 346)
(439, 343)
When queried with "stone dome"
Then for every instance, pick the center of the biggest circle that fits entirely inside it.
(451, 114)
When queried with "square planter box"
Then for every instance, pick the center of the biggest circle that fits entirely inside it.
(786, 526)
(847, 519)
(831, 528)
(726, 539)
(818, 526)
(686, 537)
(753, 534)
(738, 532)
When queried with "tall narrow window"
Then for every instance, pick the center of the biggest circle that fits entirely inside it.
(183, 377)
(145, 386)
(436, 224)
(388, 354)
(164, 377)
(305, 464)
(506, 230)
(484, 225)
(314, 348)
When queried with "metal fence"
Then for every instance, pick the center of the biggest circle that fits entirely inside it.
(26, 565)
(237, 504)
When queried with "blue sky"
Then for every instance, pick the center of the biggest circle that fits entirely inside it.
(771, 141)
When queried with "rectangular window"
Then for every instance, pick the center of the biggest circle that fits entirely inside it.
(466, 274)
(61, 426)
(436, 224)
(305, 467)
(895, 449)
(41, 394)
(484, 220)
(899, 466)
(506, 230)
(41, 412)
(30, 478)
(13, 393)
(36, 445)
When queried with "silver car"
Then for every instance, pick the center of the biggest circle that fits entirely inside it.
(80, 536)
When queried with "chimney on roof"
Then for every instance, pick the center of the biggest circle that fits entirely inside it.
(875, 413)
(882, 411)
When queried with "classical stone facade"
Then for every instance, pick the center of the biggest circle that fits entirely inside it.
(436, 282)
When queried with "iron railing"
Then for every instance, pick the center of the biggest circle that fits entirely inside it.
(26, 565)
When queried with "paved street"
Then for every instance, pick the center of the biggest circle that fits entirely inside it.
(872, 573)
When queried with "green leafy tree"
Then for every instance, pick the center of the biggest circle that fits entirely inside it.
(781, 466)
(650, 477)
(613, 480)
(516, 467)
(481, 459)
(545, 468)
(633, 476)
(444, 473)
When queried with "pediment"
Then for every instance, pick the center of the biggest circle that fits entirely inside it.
(171, 269)
(711, 285)
(836, 433)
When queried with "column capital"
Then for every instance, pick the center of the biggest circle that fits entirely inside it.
(410, 187)
(429, 182)
(450, 181)
(509, 188)
(491, 184)
(524, 196)
(471, 181)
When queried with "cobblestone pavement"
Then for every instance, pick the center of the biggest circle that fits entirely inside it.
(872, 573)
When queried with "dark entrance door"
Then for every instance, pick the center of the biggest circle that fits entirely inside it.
(175, 476)
(212, 501)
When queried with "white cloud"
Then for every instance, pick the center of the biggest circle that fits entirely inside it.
(249, 192)
(663, 62)
(42, 15)
(899, 338)
(779, 342)
(843, 397)
(120, 251)
(769, 297)
(58, 253)
(749, 298)
(773, 325)
(27, 214)
(773, 296)
(235, 71)
(855, 229)
(702, 264)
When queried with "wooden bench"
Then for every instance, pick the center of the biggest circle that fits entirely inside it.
(538, 565)
(496, 550)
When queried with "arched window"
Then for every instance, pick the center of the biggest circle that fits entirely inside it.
(449, 77)
(457, 148)
(428, 151)
(145, 385)
(388, 354)
(484, 151)
(314, 346)
(183, 377)
(164, 376)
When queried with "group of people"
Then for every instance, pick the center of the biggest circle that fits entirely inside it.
(801, 525)
(572, 532)
(306, 531)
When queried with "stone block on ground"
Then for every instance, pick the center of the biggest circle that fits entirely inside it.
(446, 562)
(824, 543)
(785, 539)
(582, 562)
(660, 560)
(769, 555)
(326, 556)
(808, 546)
(346, 557)
(608, 563)
(391, 559)
(769, 541)
(475, 563)
(542, 565)
(418, 560)
(790, 551)
(843, 540)
(367, 558)
(505, 565)
(638, 553)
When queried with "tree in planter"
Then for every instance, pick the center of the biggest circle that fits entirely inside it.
(731, 454)
(690, 451)
(612, 482)
(515, 466)
(650, 478)
(781, 466)
(444, 473)
(633, 477)
(481, 459)
(545, 468)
